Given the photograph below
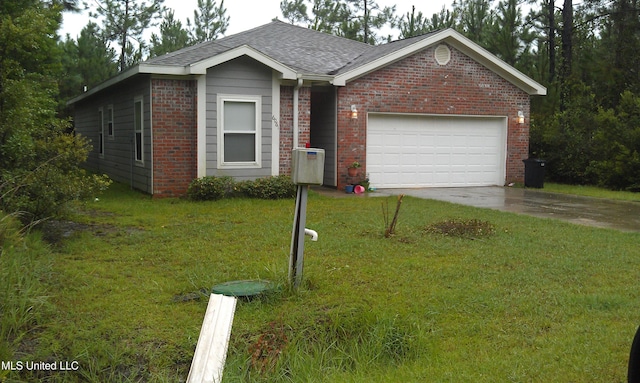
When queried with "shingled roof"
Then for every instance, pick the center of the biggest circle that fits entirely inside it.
(299, 52)
(304, 50)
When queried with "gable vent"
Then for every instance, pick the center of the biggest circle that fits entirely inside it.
(442, 54)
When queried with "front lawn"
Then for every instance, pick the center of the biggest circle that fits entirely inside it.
(535, 301)
(592, 191)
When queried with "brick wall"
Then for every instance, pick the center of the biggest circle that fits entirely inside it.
(304, 116)
(286, 128)
(174, 136)
(417, 84)
(286, 123)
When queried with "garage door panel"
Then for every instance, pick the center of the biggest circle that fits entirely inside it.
(418, 150)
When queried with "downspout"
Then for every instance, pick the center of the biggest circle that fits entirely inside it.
(296, 132)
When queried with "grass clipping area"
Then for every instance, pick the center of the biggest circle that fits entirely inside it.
(527, 300)
(472, 228)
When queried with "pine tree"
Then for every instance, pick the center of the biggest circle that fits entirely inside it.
(172, 36)
(209, 21)
(96, 59)
(508, 37)
(124, 23)
(413, 24)
(359, 20)
(474, 19)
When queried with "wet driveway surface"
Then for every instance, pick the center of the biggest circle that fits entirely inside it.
(597, 212)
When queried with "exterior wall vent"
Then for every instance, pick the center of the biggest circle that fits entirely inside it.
(442, 54)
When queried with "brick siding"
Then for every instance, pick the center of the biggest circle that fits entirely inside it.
(286, 128)
(417, 84)
(286, 123)
(174, 136)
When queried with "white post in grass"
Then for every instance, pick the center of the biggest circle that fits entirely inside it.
(213, 342)
(307, 168)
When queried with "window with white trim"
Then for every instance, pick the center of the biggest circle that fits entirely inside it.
(110, 121)
(138, 129)
(239, 131)
(100, 132)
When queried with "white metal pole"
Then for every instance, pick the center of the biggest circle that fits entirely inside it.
(296, 257)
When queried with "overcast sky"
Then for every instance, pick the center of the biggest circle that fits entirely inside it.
(247, 14)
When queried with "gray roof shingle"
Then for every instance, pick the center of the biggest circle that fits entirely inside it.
(379, 51)
(302, 49)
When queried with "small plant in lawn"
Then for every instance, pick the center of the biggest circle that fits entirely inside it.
(390, 227)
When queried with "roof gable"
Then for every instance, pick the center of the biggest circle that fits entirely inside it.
(244, 50)
(302, 49)
(381, 57)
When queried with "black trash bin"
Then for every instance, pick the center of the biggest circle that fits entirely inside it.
(534, 172)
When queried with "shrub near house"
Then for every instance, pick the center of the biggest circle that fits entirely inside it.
(214, 188)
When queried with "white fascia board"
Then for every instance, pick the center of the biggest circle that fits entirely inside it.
(112, 81)
(163, 69)
(461, 43)
(138, 69)
(316, 78)
(244, 50)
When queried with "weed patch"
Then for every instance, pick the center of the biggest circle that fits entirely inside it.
(266, 351)
(471, 228)
(55, 232)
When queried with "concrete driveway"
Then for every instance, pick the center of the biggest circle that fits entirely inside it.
(589, 211)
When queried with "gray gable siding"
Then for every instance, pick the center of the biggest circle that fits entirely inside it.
(118, 150)
(241, 76)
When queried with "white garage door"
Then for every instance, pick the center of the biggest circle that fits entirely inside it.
(436, 151)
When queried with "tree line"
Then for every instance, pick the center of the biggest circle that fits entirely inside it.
(114, 38)
(585, 53)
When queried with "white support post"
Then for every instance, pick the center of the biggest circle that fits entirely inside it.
(296, 257)
(213, 342)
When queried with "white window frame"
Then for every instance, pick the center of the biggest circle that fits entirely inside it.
(138, 129)
(257, 100)
(100, 132)
(110, 126)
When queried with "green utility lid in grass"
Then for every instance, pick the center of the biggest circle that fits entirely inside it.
(243, 288)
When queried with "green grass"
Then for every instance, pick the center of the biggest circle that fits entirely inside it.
(536, 301)
(25, 267)
(591, 191)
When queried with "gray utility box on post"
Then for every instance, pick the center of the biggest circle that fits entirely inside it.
(307, 166)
